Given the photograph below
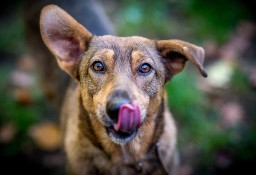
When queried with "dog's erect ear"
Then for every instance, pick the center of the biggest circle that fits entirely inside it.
(65, 37)
(176, 52)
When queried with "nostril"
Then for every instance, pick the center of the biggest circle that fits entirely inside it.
(112, 110)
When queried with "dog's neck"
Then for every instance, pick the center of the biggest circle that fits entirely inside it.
(142, 148)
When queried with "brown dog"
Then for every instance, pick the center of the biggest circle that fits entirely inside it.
(114, 117)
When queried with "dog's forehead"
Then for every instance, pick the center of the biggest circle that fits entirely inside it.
(123, 44)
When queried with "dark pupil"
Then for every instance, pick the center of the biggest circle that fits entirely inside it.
(98, 66)
(145, 68)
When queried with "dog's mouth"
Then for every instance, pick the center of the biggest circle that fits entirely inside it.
(120, 136)
(127, 125)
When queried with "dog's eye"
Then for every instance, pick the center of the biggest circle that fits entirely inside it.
(98, 66)
(145, 68)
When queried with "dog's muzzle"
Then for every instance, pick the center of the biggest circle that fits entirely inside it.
(126, 118)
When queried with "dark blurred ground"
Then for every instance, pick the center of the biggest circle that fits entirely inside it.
(216, 116)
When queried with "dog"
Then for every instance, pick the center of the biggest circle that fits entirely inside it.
(114, 117)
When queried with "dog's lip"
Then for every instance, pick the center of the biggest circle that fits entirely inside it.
(119, 136)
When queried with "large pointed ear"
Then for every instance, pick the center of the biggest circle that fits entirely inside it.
(176, 52)
(65, 37)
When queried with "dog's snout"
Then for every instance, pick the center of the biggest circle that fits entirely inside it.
(113, 107)
(113, 110)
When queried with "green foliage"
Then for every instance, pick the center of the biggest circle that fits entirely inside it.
(21, 116)
(12, 35)
(213, 19)
(145, 18)
(198, 124)
(240, 81)
(160, 19)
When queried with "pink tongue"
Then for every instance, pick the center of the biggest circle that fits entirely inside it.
(128, 117)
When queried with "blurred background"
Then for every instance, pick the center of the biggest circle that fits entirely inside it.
(216, 116)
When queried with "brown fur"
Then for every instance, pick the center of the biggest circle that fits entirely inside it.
(89, 148)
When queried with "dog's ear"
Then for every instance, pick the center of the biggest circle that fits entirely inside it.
(65, 37)
(176, 52)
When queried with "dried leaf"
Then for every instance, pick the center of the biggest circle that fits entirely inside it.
(46, 136)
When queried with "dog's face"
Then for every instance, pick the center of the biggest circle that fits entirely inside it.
(121, 83)
(121, 78)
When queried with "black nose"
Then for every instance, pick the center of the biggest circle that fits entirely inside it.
(113, 107)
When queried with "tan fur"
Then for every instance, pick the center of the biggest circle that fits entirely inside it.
(88, 146)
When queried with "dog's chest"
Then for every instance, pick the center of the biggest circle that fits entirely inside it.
(150, 164)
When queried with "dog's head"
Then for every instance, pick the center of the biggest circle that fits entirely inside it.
(121, 78)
